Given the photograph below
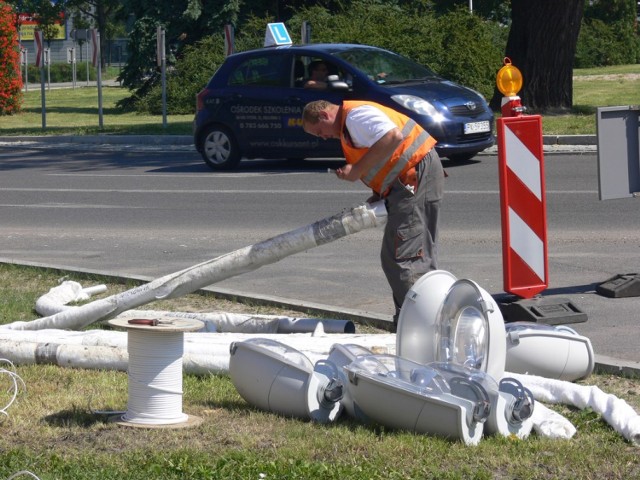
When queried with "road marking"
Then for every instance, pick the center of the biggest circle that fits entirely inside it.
(68, 205)
(199, 176)
(276, 192)
(208, 191)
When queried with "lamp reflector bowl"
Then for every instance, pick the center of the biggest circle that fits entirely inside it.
(448, 320)
(471, 329)
(417, 321)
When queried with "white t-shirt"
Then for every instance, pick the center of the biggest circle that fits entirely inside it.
(367, 125)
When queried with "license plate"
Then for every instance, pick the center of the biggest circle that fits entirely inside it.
(477, 127)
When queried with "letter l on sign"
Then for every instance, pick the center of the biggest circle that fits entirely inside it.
(277, 34)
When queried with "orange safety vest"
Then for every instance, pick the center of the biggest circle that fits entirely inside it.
(416, 144)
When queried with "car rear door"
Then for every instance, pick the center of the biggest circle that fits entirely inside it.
(257, 95)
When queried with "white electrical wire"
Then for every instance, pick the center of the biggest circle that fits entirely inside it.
(155, 378)
(14, 378)
(23, 472)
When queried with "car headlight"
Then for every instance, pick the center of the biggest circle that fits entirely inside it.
(419, 105)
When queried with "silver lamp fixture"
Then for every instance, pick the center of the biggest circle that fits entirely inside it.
(340, 356)
(566, 355)
(277, 378)
(399, 393)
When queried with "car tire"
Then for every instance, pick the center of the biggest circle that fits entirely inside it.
(220, 150)
(461, 157)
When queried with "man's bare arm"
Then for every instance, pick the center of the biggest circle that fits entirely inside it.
(378, 153)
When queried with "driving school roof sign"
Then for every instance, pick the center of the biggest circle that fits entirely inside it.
(276, 35)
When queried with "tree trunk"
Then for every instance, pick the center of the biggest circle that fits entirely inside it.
(542, 44)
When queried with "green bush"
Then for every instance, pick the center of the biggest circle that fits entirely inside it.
(190, 75)
(466, 48)
(61, 72)
(602, 44)
(469, 50)
(459, 46)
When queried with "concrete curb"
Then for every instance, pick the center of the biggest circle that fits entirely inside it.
(548, 140)
(603, 364)
(569, 139)
(552, 144)
(615, 366)
(105, 139)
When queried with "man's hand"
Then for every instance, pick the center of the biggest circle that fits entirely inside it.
(348, 173)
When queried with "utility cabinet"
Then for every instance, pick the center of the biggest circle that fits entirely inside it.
(618, 151)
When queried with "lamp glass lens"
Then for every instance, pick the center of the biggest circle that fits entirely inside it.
(464, 338)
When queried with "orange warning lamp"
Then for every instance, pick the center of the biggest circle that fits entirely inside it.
(509, 79)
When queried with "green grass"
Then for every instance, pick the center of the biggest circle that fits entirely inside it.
(52, 429)
(75, 111)
(592, 88)
(611, 70)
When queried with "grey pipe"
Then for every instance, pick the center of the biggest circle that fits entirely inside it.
(308, 325)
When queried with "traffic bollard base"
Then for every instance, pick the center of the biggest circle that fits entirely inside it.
(620, 286)
(549, 310)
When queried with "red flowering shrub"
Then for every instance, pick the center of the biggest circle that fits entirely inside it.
(10, 79)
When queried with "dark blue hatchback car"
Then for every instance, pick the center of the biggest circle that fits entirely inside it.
(252, 106)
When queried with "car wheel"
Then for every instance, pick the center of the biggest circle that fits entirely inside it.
(461, 157)
(219, 149)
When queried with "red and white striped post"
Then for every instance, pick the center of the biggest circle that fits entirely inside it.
(38, 39)
(229, 40)
(522, 192)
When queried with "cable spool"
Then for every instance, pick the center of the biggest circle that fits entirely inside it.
(155, 350)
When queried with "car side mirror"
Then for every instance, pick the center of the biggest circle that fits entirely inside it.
(336, 84)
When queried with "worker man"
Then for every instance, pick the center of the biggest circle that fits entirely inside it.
(396, 158)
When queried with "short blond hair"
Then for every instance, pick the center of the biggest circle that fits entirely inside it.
(311, 112)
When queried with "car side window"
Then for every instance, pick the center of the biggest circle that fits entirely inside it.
(309, 69)
(264, 71)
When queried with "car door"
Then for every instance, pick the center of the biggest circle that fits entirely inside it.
(258, 90)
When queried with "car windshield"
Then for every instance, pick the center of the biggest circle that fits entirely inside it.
(385, 67)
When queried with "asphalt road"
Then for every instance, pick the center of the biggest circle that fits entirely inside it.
(149, 213)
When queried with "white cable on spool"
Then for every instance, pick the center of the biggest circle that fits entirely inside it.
(155, 378)
(155, 349)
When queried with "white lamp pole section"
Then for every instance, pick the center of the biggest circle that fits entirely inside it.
(225, 266)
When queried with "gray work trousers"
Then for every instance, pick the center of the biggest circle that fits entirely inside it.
(409, 244)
